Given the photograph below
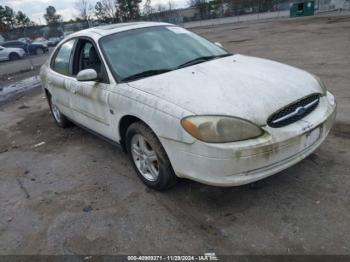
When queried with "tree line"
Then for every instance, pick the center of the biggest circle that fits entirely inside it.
(9, 19)
(109, 10)
(114, 11)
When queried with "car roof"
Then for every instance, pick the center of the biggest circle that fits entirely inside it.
(116, 28)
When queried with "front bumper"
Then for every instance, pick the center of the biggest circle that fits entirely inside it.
(239, 163)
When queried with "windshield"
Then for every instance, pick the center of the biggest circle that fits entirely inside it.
(155, 50)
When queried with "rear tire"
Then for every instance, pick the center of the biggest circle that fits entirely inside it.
(149, 158)
(14, 56)
(59, 118)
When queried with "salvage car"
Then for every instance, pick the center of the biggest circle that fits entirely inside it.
(11, 53)
(183, 107)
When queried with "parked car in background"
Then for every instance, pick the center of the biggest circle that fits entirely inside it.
(65, 34)
(25, 40)
(42, 41)
(53, 41)
(184, 107)
(32, 48)
(11, 53)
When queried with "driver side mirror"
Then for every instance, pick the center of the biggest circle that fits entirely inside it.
(87, 75)
(219, 44)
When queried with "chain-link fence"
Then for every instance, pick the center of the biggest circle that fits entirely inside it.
(230, 11)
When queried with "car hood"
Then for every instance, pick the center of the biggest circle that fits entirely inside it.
(241, 86)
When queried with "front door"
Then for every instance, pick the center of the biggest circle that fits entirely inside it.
(90, 99)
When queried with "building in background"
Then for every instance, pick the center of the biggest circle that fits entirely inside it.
(330, 5)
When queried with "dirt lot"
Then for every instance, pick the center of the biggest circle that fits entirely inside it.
(77, 194)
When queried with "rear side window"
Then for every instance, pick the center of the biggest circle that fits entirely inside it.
(62, 60)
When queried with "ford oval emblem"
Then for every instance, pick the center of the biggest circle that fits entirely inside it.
(300, 111)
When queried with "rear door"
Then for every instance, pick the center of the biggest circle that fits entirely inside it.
(60, 76)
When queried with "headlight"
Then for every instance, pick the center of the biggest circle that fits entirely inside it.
(322, 85)
(220, 129)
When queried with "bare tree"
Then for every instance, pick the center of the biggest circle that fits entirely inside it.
(106, 10)
(84, 8)
(171, 5)
(160, 8)
(147, 8)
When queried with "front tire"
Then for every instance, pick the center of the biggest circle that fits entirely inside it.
(149, 158)
(59, 118)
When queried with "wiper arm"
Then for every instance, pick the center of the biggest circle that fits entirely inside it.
(146, 74)
(202, 59)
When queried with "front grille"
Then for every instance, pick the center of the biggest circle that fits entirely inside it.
(294, 112)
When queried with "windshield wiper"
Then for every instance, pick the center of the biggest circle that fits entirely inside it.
(202, 59)
(146, 74)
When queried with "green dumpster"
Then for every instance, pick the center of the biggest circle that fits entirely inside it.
(302, 8)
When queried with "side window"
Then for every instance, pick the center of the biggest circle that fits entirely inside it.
(87, 58)
(62, 60)
(86, 50)
(17, 44)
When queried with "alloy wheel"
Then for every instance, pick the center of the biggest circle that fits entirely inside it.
(55, 111)
(145, 158)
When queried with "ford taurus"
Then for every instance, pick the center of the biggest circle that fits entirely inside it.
(182, 106)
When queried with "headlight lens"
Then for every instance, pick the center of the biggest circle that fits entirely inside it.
(322, 85)
(220, 129)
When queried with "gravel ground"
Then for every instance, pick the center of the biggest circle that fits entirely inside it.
(76, 194)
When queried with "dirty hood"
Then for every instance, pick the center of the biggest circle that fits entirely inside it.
(240, 86)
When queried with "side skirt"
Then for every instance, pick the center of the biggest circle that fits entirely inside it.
(110, 141)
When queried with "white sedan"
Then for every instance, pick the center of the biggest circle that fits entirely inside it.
(184, 107)
(11, 53)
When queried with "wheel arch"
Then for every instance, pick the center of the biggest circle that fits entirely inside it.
(47, 93)
(124, 124)
(13, 53)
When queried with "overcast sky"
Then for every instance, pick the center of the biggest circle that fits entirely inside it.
(35, 9)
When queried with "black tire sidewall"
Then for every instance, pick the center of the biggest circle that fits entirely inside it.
(167, 177)
(13, 56)
(64, 121)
